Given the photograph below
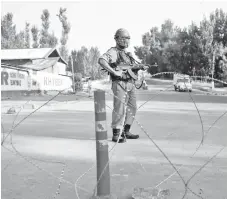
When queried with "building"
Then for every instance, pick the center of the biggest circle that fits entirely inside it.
(37, 59)
(38, 69)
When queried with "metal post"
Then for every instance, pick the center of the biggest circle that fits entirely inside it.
(73, 74)
(102, 154)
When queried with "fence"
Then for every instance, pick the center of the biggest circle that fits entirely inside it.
(181, 192)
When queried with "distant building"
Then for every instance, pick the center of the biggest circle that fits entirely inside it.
(38, 69)
(36, 59)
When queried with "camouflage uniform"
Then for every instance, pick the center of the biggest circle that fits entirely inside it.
(124, 91)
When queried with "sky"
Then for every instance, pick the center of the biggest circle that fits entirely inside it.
(94, 23)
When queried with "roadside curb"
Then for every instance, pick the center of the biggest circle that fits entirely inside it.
(210, 92)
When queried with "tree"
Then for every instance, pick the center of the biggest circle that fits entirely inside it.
(85, 62)
(53, 41)
(93, 69)
(27, 35)
(8, 31)
(65, 31)
(219, 19)
(160, 47)
(173, 49)
(167, 31)
(213, 40)
(45, 27)
(194, 51)
(9, 38)
(35, 33)
(206, 40)
(20, 40)
(47, 40)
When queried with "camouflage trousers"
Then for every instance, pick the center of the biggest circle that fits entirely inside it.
(124, 104)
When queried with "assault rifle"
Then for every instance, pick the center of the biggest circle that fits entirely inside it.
(131, 70)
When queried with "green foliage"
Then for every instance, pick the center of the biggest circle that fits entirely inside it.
(35, 38)
(27, 35)
(47, 40)
(77, 77)
(45, 27)
(85, 61)
(9, 38)
(181, 50)
(53, 41)
(65, 31)
(20, 40)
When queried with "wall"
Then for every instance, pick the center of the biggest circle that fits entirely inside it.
(17, 80)
(58, 68)
(61, 68)
(48, 81)
(12, 79)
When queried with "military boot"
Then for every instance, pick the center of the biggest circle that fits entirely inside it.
(116, 133)
(128, 134)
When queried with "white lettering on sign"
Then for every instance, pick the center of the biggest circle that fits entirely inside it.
(48, 81)
(20, 76)
(57, 82)
(13, 75)
(13, 79)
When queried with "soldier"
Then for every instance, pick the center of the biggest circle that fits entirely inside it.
(123, 87)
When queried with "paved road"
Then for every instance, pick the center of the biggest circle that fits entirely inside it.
(142, 95)
(66, 131)
(163, 120)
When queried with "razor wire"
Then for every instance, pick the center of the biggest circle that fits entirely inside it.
(110, 149)
(186, 184)
(201, 122)
(193, 153)
(202, 168)
(121, 132)
(26, 158)
(166, 157)
(157, 74)
(41, 169)
(109, 152)
(34, 112)
(149, 138)
(209, 78)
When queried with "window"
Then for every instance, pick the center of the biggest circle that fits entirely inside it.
(183, 80)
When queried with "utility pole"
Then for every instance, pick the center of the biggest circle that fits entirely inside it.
(74, 90)
(212, 72)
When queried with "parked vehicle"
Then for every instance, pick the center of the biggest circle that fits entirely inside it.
(86, 84)
(182, 82)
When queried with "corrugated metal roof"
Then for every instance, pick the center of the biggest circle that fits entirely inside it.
(33, 53)
(39, 64)
(42, 64)
(6, 65)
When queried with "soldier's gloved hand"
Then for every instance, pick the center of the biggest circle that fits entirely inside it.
(118, 73)
(145, 67)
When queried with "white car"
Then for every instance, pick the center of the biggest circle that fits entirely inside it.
(86, 84)
(183, 85)
(182, 82)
